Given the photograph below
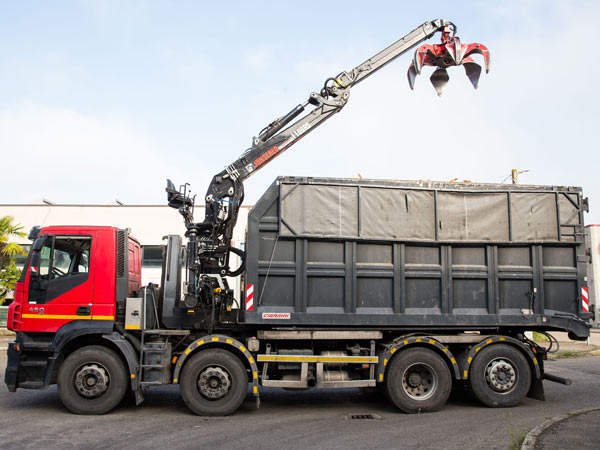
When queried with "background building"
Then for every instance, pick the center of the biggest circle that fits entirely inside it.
(149, 223)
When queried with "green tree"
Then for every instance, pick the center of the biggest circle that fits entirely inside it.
(9, 273)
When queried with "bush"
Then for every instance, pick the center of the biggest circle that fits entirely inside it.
(9, 273)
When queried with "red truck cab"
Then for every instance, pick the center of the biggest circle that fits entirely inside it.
(67, 295)
(71, 274)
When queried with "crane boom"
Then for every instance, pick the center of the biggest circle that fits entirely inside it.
(331, 99)
(209, 241)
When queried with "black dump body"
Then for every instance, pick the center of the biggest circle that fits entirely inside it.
(416, 255)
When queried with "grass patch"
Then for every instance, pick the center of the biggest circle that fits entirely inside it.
(539, 337)
(516, 437)
(570, 354)
(516, 440)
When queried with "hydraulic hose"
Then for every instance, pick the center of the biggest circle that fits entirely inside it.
(242, 254)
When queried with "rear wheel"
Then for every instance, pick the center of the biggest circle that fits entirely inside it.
(500, 376)
(418, 380)
(92, 380)
(214, 383)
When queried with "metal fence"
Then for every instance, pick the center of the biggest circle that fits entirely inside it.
(3, 316)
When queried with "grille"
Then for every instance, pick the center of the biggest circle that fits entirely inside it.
(362, 417)
(121, 253)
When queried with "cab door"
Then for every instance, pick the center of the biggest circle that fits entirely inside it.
(60, 282)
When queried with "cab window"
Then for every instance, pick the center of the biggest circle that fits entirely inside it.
(64, 263)
(65, 256)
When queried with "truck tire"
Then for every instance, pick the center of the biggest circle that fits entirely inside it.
(500, 376)
(92, 380)
(418, 380)
(214, 383)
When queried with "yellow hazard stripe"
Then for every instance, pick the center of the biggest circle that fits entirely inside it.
(311, 358)
(66, 317)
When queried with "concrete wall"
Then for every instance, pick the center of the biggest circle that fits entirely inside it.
(148, 224)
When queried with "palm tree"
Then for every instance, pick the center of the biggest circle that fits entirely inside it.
(9, 273)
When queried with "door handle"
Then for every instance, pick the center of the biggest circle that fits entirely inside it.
(83, 311)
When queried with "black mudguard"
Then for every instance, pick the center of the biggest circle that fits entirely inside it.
(12, 367)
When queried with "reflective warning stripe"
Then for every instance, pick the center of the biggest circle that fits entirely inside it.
(585, 302)
(427, 341)
(250, 297)
(472, 354)
(210, 340)
(66, 317)
(317, 358)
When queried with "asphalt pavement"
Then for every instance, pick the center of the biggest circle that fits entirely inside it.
(577, 430)
(311, 419)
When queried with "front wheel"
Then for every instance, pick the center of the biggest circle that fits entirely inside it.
(418, 380)
(92, 380)
(214, 383)
(500, 376)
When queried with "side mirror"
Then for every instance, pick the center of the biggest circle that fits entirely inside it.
(34, 233)
(36, 260)
(38, 244)
(36, 256)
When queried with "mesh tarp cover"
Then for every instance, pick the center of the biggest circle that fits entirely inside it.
(372, 212)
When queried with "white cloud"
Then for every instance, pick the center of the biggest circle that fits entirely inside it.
(536, 110)
(71, 157)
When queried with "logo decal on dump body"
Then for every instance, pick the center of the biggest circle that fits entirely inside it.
(585, 303)
(276, 315)
(250, 297)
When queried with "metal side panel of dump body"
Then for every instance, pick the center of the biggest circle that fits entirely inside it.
(373, 253)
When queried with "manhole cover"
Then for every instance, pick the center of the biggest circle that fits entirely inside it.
(362, 417)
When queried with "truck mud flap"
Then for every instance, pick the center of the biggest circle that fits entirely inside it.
(131, 357)
(536, 390)
(12, 367)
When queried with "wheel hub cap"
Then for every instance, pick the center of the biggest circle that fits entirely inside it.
(214, 382)
(91, 380)
(414, 379)
(501, 375)
(419, 381)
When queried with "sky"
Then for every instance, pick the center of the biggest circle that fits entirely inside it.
(105, 100)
